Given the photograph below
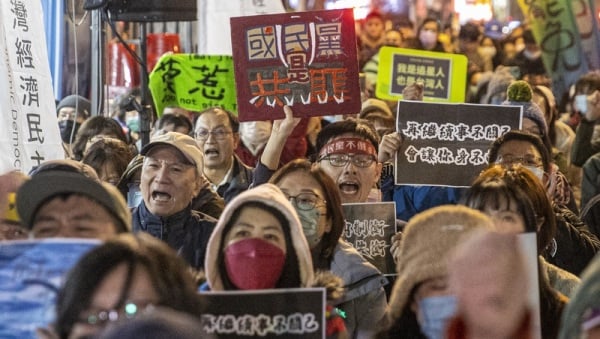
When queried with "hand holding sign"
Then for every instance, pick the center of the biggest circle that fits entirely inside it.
(389, 145)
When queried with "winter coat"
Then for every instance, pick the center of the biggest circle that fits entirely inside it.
(364, 301)
(187, 231)
(241, 178)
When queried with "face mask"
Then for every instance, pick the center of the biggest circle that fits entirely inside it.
(538, 172)
(134, 196)
(532, 55)
(310, 227)
(66, 130)
(255, 132)
(436, 312)
(487, 51)
(581, 103)
(133, 123)
(254, 264)
(428, 38)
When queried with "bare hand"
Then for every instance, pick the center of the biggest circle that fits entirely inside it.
(395, 248)
(389, 145)
(593, 106)
(284, 127)
(413, 92)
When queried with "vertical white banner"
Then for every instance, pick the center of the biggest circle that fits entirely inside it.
(214, 32)
(30, 132)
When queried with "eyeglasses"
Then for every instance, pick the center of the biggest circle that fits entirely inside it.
(340, 160)
(129, 311)
(218, 134)
(305, 201)
(527, 160)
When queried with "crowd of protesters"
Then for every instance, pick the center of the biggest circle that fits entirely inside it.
(212, 204)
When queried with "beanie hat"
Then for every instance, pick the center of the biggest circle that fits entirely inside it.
(498, 83)
(427, 241)
(83, 105)
(519, 93)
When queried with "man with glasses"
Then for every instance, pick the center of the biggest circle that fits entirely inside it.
(348, 154)
(217, 136)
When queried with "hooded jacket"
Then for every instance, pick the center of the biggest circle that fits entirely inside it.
(269, 195)
(582, 303)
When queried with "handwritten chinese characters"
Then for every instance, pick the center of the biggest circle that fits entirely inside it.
(302, 60)
(194, 82)
(447, 144)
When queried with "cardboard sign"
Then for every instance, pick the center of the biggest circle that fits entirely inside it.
(194, 82)
(443, 75)
(276, 313)
(31, 274)
(306, 60)
(447, 144)
(369, 228)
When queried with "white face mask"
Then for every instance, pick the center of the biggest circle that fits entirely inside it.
(428, 38)
(255, 133)
(532, 55)
(581, 103)
(538, 172)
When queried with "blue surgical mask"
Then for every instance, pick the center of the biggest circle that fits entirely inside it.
(310, 225)
(538, 172)
(133, 123)
(581, 103)
(134, 196)
(435, 314)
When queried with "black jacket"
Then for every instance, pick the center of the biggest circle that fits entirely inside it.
(187, 231)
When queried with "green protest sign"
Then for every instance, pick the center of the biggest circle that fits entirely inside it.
(194, 82)
(443, 75)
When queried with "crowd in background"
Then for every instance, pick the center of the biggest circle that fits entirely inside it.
(215, 204)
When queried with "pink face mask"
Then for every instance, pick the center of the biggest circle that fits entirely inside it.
(254, 264)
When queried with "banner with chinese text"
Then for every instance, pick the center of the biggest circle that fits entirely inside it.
(31, 273)
(448, 144)
(29, 133)
(556, 31)
(194, 82)
(275, 313)
(306, 60)
(443, 75)
(369, 228)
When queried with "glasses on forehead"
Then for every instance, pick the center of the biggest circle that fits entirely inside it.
(527, 160)
(340, 160)
(305, 201)
(218, 134)
(129, 311)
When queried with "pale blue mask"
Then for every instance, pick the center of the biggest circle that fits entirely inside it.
(538, 172)
(134, 196)
(435, 314)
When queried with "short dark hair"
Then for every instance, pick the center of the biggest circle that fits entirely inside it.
(469, 32)
(533, 139)
(333, 205)
(92, 127)
(108, 150)
(169, 275)
(177, 120)
(233, 119)
(361, 127)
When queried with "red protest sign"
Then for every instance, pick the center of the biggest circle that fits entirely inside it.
(306, 60)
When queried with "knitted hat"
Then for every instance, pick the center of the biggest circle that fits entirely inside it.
(519, 93)
(427, 241)
(83, 105)
(498, 83)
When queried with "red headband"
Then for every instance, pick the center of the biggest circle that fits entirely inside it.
(348, 146)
